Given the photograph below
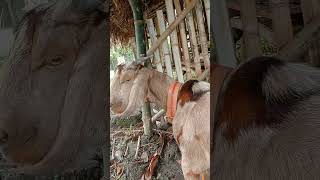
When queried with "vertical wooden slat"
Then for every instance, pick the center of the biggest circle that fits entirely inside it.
(193, 37)
(184, 42)
(203, 35)
(281, 21)
(174, 41)
(207, 9)
(165, 47)
(251, 39)
(311, 9)
(153, 37)
(222, 34)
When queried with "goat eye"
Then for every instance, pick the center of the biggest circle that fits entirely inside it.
(54, 61)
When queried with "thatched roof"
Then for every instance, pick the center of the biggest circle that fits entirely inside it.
(122, 23)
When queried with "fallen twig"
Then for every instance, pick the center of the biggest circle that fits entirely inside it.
(126, 152)
(161, 131)
(154, 160)
(159, 114)
(137, 149)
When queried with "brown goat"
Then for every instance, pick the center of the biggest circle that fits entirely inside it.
(266, 122)
(133, 84)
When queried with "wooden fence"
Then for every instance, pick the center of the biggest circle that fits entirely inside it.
(184, 53)
(291, 26)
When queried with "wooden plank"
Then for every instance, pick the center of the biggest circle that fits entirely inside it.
(251, 38)
(153, 38)
(165, 47)
(172, 27)
(184, 42)
(263, 30)
(294, 50)
(203, 35)
(281, 22)
(194, 41)
(174, 41)
(222, 34)
(311, 9)
(207, 9)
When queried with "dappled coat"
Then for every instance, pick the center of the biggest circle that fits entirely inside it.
(267, 122)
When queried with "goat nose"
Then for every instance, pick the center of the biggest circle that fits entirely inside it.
(3, 137)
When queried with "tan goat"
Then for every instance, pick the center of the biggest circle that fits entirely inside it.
(133, 84)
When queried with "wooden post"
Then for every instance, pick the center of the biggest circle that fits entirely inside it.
(207, 9)
(300, 44)
(172, 27)
(184, 41)
(203, 35)
(165, 47)
(194, 41)
(153, 37)
(222, 34)
(263, 30)
(136, 6)
(281, 22)
(251, 39)
(174, 41)
(311, 9)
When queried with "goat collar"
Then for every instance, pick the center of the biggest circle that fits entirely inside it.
(172, 99)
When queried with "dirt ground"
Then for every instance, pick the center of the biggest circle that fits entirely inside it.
(130, 163)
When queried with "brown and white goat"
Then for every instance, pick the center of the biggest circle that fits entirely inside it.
(267, 122)
(133, 84)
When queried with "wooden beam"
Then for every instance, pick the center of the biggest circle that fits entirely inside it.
(203, 35)
(263, 30)
(222, 34)
(294, 50)
(174, 41)
(251, 38)
(281, 22)
(311, 9)
(207, 9)
(194, 42)
(184, 42)
(172, 27)
(153, 38)
(165, 47)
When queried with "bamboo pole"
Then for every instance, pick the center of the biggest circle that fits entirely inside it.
(136, 6)
(172, 27)
(174, 41)
(207, 9)
(184, 42)
(194, 42)
(203, 35)
(281, 22)
(222, 34)
(153, 37)
(165, 47)
(251, 39)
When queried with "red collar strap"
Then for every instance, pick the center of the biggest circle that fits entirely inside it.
(172, 99)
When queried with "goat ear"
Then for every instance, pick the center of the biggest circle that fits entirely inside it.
(242, 100)
(192, 91)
